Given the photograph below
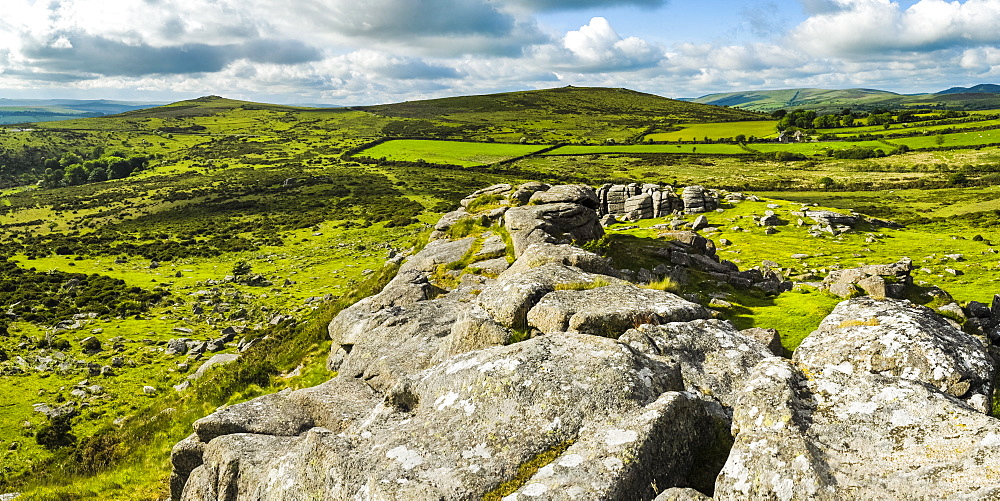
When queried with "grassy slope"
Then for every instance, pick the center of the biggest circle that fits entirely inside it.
(830, 101)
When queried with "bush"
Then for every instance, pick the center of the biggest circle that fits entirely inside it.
(242, 268)
(56, 434)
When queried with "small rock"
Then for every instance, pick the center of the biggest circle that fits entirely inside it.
(700, 222)
(149, 390)
(90, 344)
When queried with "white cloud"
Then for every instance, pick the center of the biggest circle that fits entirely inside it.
(873, 28)
(597, 47)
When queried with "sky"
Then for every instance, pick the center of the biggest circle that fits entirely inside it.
(354, 52)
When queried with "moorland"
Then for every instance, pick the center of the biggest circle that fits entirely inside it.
(122, 234)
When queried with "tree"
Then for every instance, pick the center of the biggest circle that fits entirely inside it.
(69, 158)
(97, 175)
(75, 174)
(119, 169)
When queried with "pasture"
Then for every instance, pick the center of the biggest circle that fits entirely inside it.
(764, 129)
(466, 154)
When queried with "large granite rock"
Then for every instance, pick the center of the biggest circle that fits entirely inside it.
(837, 434)
(384, 345)
(715, 359)
(567, 193)
(697, 200)
(878, 281)
(610, 417)
(545, 253)
(512, 296)
(553, 223)
(897, 338)
(610, 310)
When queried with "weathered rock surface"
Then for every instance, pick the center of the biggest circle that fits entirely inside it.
(618, 412)
(897, 338)
(715, 359)
(878, 281)
(551, 223)
(567, 193)
(840, 435)
(830, 218)
(610, 310)
(512, 296)
(697, 200)
(545, 253)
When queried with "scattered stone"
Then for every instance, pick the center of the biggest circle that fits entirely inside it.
(177, 346)
(699, 223)
(148, 390)
(880, 281)
(90, 345)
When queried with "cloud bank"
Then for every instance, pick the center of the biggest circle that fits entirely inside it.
(350, 52)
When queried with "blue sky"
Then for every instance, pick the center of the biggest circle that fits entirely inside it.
(374, 51)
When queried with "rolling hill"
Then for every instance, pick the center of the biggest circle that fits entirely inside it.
(48, 110)
(827, 100)
(976, 89)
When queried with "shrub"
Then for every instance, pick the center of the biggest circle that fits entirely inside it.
(242, 268)
(56, 434)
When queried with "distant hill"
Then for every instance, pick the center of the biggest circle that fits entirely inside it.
(49, 110)
(562, 115)
(829, 101)
(563, 103)
(977, 89)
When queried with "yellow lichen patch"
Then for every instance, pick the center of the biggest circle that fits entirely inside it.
(857, 323)
(583, 285)
(526, 471)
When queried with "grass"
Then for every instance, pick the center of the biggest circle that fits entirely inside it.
(461, 153)
(705, 149)
(697, 132)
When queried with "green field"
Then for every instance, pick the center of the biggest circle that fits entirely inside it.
(763, 129)
(462, 153)
(705, 149)
(970, 139)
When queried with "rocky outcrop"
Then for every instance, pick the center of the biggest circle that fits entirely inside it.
(632, 202)
(897, 338)
(611, 419)
(697, 199)
(877, 281)
(559, 377)
(884, 401)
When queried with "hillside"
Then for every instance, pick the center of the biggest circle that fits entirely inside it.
(975, 89)
(14, 111)
(570, 102)
(832, 101)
